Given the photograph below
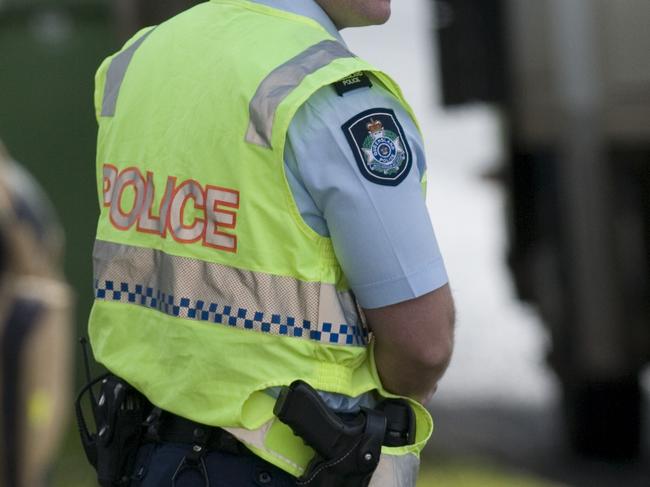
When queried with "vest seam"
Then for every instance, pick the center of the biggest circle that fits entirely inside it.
(280, 148)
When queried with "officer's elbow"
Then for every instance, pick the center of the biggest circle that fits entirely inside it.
(412, 354)
(436, 356)
(431, 352)
(426, 360)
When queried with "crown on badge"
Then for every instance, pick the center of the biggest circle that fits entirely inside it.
(374, 126)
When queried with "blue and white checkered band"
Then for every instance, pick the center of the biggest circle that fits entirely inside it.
(379, 146)
(280, 305)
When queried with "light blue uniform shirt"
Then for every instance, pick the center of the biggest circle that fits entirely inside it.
(382, 235)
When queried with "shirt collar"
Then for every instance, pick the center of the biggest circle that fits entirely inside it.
(306, 8)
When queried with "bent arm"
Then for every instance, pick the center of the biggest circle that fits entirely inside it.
(380, 230)
(414, 342)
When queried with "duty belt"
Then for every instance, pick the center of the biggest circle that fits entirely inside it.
(163, 426)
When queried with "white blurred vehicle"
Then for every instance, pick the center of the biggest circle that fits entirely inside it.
(572, 79)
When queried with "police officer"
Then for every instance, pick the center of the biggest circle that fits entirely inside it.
(263, 222)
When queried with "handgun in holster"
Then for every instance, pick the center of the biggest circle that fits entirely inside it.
(347, 446)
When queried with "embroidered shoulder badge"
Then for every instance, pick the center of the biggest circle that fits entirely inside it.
(379, 146)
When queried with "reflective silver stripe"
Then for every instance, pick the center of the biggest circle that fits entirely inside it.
(115, 76)
(281, 82)
(209, 292)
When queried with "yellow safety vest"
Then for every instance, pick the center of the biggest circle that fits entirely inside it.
(210, 288)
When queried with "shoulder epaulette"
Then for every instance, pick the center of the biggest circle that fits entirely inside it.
(352, 82)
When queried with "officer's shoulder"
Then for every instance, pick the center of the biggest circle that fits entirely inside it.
(349, 95)
(333, 104)
(336, 102)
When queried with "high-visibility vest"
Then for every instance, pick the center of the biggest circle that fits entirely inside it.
(210, 288)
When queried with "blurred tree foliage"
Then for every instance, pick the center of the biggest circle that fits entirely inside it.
(48, 54)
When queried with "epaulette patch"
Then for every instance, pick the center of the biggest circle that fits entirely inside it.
(379, 146)
(352, 82)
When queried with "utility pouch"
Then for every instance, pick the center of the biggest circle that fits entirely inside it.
(119, 413)
(400, 422)
(348, 447)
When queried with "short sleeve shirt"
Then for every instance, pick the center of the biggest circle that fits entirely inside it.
(381, 233)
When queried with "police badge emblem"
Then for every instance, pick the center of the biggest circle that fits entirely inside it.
(379, 146)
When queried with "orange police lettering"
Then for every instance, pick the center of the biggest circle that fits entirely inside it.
(188, 211)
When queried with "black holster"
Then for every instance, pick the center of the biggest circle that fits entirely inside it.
(347, 446)
(119, 413)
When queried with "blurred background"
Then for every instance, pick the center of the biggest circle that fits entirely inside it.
(536, 116)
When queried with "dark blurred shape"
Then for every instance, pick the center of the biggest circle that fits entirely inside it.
(577, 118)
(132, 15)
(472, 55)
(35, 329)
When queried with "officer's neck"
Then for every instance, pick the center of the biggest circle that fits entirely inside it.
(306, 8)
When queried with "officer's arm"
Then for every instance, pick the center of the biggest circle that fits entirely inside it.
(413, 342)
(379, 227)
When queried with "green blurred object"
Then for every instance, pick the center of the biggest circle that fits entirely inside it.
(465, 473)
(71, 468)
(49, 52)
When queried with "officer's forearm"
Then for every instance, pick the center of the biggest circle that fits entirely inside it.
(414, 342)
